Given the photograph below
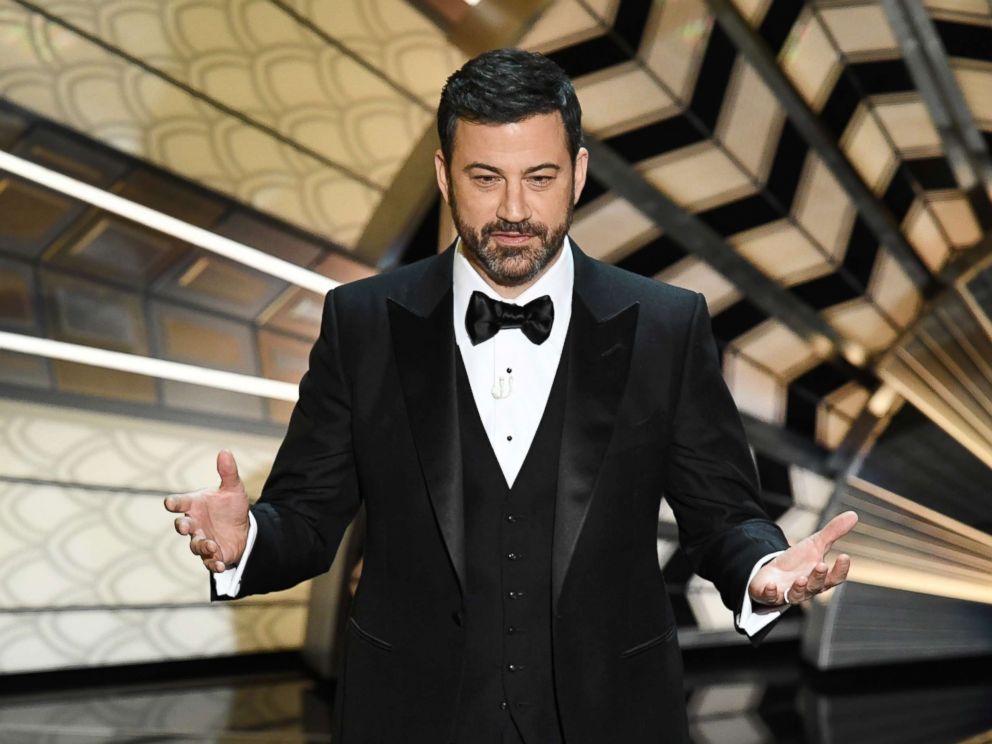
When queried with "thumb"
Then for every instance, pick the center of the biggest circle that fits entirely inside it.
(837, 527)
(227, 469)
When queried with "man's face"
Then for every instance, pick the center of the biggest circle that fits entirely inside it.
(511, 189)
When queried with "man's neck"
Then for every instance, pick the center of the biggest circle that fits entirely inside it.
(512, 293)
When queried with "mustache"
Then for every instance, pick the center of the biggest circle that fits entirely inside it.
(523, 228)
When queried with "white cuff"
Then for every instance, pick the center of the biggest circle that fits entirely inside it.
(228, 583)
(753, 618)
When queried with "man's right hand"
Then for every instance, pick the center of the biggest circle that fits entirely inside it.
(215, 520)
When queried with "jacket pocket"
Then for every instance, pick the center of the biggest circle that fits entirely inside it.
(368, 637)
(651, 643)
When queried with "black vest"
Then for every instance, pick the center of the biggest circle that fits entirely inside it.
(507, 692)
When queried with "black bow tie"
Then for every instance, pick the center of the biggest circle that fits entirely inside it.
(486, 317)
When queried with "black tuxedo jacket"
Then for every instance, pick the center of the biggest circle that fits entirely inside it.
(647, 414)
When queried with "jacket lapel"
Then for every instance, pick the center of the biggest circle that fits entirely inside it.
(424, 345)
(599, 361)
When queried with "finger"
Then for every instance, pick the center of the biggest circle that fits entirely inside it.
(838, 574)
(770, 595)
(184, 525)
(214, 566)
(817, 577)
(797, 592)
(179, 502)
(836, 528)
(227, 469)
(203, 546)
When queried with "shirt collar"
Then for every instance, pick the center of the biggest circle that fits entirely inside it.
(556, 282)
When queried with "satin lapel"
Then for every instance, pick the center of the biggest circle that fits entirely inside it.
(425, 356)
(599, 361)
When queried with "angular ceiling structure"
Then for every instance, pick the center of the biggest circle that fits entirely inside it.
(820, 171)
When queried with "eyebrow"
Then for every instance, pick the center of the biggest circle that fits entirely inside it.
(494, 169)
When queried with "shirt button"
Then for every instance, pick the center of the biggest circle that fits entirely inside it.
(509, 438)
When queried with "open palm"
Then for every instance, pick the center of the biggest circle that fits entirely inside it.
(802, 571)
(215, 520)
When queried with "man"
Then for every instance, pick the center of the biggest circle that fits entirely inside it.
(511, 412)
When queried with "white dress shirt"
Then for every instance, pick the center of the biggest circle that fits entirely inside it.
(511, 380)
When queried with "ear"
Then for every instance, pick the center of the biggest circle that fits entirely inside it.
(581, 166)
(441, 167)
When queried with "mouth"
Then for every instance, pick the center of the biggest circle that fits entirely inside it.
(512, 238)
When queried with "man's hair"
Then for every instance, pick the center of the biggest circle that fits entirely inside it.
(506, 86)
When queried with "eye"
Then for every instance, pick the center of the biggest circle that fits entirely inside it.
(541, 180)
(486, 179)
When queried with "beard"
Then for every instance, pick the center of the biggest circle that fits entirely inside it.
(511, 265)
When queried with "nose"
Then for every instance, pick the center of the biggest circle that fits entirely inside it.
(513, 206)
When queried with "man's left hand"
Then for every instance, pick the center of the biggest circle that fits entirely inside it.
(801, 571)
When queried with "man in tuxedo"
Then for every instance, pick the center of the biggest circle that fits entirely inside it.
(511, 412)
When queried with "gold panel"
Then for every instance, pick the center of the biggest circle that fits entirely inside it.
(24, 369)
(172, 197)
(295, 311)
(283, 359)
(30, 216)
(104, 383)
(224, 280)
(86, 313)
(110, 246)
(343, 269)
(197, 338)
(16, 296)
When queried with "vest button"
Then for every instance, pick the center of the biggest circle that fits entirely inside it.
(513, 556)
(511, 630)
(504, 705)
(511, 518)
(515, 667)
(514, 595)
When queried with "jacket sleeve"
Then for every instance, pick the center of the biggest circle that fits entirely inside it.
(311, 495)
(711, 481)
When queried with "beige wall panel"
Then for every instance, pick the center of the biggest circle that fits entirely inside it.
(860, 29)
(823, 208)
(611, 228)
(60, 75)
(859, 320)
(750, 121)
(73, 446)
(698, 177)
(70, 547)
(810, 60)
(620, 98)
(88, 638)
(691, 273)
(756, 390)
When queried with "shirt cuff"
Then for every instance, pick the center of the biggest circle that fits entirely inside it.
(752, 618)
(228, 583)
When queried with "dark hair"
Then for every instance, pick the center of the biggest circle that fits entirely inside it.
(505, 86)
